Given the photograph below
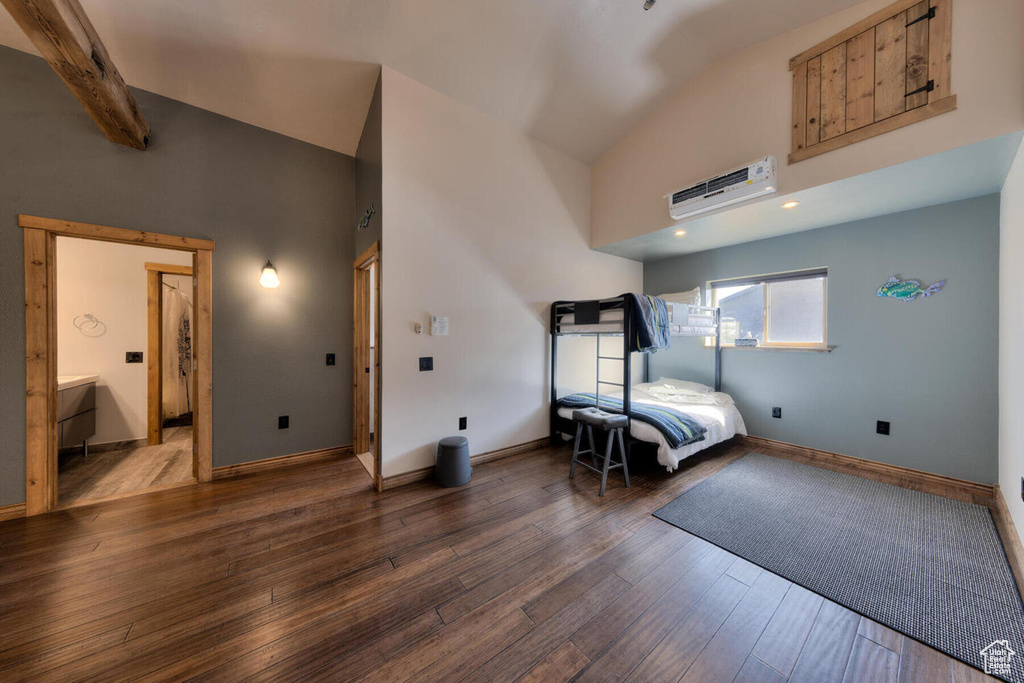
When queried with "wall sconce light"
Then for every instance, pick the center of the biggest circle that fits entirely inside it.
(268, 278)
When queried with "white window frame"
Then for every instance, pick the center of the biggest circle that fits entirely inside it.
(765, 279)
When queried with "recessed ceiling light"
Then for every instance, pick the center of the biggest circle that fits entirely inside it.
(790, 205)
(680, 233)
(649, 4)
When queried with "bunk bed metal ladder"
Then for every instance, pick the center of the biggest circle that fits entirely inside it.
(627, 365)
(597, 373)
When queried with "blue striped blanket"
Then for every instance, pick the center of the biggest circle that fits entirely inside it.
(678, 428)
(651, 319)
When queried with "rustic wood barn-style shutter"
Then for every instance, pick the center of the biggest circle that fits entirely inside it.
(885, 72)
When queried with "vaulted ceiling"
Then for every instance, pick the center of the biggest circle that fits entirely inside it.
(575, 74)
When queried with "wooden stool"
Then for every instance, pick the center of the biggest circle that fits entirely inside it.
(612, 424)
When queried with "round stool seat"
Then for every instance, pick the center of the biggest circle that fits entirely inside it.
(599, 418)
(453, 442)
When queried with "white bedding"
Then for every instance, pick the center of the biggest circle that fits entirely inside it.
(713, 410)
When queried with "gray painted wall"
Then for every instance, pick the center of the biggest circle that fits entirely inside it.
(370, 174)
(929, 366)
(260, 195)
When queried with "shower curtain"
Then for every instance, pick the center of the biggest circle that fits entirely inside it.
(177, 353)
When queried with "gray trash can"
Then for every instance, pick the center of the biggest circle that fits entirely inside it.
(452, 467)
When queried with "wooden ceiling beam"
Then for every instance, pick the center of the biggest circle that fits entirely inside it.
(66, 38)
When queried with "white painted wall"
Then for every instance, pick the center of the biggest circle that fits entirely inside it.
(1011, 331)
(488, 227)
(740, 109)
(109, 281)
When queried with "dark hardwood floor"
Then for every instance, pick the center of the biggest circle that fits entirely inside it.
(305, 574)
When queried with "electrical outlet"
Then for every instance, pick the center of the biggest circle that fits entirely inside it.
(331, 359)
(777, 412)
(882, 427)
(282, 422)
(426, 364)
(133, 356)
(462, 422)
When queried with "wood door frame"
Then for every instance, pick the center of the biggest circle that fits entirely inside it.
(155, 346)
(40, 237)
(361, 269)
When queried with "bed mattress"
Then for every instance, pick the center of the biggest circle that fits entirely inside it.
(715, 411)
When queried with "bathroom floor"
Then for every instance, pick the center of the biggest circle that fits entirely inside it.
(108, 473)
(366, 459)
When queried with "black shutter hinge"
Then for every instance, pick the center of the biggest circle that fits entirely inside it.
(929, 15)
(928, 87)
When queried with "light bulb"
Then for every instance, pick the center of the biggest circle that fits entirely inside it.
(268, 278)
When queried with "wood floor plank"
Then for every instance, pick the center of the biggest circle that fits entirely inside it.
(883, 635)
(920, 663)
(784, 637)
(679, 648)
(827, 650)
(475, 568)
(756, 671)
(621, 656)
(595, 635)
(725, 655)
(869, 661)
(542, 569)
(962, 673)
(560, 665)
(250, 651)
(546, 637)
(637, 567)
(35, 667)
(304, 573)
(455, 648)
(744, 571)
(165, 655)
(554, 599)
(361, 662)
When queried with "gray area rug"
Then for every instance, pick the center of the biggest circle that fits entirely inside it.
(929, 567)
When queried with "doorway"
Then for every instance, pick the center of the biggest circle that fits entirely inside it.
(366, 364)
(65, 395)
(169, 312)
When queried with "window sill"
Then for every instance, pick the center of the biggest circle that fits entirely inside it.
(812, 349)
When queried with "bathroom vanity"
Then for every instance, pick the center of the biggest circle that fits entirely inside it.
(76, 411)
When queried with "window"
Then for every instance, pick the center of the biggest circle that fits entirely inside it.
(784, 310)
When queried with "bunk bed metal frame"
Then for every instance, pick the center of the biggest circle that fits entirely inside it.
(587, 315)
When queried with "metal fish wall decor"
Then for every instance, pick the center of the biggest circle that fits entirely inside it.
(907, 290)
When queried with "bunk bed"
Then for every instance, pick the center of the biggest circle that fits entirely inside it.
(614, 319)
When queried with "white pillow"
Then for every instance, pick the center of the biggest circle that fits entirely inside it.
(691, 297)
(683, 385)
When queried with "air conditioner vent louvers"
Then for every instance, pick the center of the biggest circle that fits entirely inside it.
(695, 191)
(738, 185)
(726, 180)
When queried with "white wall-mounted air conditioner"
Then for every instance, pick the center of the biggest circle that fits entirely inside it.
(738, 185)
